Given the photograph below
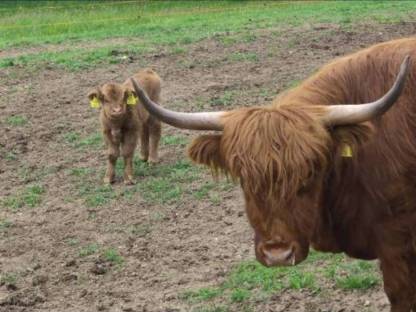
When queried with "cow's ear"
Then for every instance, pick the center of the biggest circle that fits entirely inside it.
(95, 93)
(205, 150)
(348, 138)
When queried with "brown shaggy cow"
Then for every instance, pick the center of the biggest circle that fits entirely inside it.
(123, 123)
(339, 178)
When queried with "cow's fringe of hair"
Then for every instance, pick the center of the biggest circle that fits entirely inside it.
(274, 150)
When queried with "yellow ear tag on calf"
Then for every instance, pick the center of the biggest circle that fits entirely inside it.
(131, 100)
(95, 103)
(346, 151)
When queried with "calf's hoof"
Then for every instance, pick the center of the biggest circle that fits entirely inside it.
(153, 160)
(108, 180)
(129, 180)
(143, 158)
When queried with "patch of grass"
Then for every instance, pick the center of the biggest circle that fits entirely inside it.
(5, 225)
(80, 172)
(139, 230)
(94, 140)
(249, 281)
(76, 59)
(226, 99)
(16, 121)
(97, 195)
(176, 140)
(31, 196)
(72, 241)
(8, 278)
(161, 190)
(301, 280)
(244, 56)
(88, 250)
(71, 137)
(211, 308)
(356, 275)
(167, 186)
(240, 295)
(10, 156)
(204, 190)
(202, 294)
(178, 50)
(164, 23)
(113, 256)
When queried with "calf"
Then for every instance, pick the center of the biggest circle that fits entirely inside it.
(123, 120)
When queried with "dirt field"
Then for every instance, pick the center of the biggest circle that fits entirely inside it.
(130, 249)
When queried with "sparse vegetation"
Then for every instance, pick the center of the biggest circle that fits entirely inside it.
(88, 250)
(252, 280)
(5, 224)
(16, 121)
(31, 196)
(113, 256)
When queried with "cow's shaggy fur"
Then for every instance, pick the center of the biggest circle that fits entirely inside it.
(299, 188)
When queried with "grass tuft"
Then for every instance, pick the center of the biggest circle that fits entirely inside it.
(31, 196)
(16, 121)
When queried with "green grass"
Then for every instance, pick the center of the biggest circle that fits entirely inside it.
(16, 121)
(88, 250)
(31, 196)
(5, 225)
(77, 59)
(148, 26)
(112, 255)
(250, 281)
(162, 183)
(91, 141)
(176, 140)
(8, 278)
(243, 56)
(225, 99)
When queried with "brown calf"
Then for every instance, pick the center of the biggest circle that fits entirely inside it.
(123, 120)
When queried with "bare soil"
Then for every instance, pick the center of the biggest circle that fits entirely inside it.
(191, 244)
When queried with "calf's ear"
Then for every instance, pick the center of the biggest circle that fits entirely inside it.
(95, 93)
(205, 150)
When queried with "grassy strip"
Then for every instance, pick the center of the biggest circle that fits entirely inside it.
(162, 23)
(250, 281)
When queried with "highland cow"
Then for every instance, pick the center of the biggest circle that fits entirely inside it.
(328, 164)
(123, 120)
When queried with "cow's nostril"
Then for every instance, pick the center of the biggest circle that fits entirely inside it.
(278, 256)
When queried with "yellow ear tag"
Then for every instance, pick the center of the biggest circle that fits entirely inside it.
(95, 103)
(131, 100)
(346, 151)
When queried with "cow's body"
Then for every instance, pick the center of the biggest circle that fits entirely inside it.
(299, 189)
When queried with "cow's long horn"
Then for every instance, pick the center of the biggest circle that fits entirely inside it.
(193, 121)
(353, 114)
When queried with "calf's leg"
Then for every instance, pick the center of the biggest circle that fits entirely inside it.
(155, 130)
(113, 152)
(144, 142)
(127, 150)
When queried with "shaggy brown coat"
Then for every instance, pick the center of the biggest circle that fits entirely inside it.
(122, 124)
(300, 191)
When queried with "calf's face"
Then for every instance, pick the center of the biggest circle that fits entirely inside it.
(113, 98)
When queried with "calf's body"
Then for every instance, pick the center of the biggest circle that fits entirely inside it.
(124, 121)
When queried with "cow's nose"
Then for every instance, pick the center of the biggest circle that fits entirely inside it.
(273, 255)
(116, 109)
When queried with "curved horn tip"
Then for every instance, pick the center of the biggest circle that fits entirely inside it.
(356, 113)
